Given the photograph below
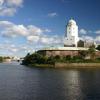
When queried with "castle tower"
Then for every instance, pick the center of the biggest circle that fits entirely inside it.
(71, 36)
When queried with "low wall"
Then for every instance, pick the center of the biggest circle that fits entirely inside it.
(77, 65)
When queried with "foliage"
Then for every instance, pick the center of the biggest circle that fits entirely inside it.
(98, 47)
(67, 58)
(83, 54)
(37, 58)
(91, 52)
(57, 57)
(1, 59)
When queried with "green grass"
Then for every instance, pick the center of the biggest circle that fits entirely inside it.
(41, 65)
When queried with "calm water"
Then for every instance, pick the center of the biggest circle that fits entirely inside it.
(21, 83)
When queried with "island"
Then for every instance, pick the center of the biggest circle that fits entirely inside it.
(75, 53)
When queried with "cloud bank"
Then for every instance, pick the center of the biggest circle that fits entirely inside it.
(9, 7)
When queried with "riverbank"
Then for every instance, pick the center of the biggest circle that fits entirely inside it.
(42, 65)
(67, 65)
(77, 65)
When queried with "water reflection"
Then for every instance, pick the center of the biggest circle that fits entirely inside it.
(72, 84)
(22, 83)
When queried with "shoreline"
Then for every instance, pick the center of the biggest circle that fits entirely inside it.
(67, 65)
(77, 65)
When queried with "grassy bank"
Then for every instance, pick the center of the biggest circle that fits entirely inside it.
(42, 65)
(77, 65)
(67, 65)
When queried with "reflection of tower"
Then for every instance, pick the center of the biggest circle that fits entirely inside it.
(71, 36)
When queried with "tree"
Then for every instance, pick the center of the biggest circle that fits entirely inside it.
(83, 54)
(27, 59)
(67, 58)
(1, 59)
(91, 52)
(57, 57)
(98, 47)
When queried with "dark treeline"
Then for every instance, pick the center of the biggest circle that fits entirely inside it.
(3, 58)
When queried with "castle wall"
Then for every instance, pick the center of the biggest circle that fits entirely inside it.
(62, 53)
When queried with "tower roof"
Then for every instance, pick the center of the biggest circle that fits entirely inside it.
(72, 21)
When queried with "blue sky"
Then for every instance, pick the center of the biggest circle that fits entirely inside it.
(28, 25)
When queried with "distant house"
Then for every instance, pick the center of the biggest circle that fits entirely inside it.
(80, 43)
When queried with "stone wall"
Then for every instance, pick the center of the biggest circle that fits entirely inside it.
(61, 53)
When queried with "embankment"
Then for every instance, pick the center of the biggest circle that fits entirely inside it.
(77, 65)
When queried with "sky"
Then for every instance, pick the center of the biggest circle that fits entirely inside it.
(30, 25)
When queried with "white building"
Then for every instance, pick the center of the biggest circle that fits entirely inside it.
(71, 42)
(71, 35)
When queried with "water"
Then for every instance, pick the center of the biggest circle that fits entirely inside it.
(22, 83)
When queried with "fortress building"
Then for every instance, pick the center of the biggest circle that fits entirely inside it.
(72, 44)
(71, 35)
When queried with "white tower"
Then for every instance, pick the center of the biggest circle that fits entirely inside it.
(71, 36)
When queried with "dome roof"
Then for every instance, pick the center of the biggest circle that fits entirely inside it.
(71, 21)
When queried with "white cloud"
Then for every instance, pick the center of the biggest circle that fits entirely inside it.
(47, 30)
(14, 2)
(10, 29)
(51, 40)
(33, 34)
(7, 12)
(54, 14)
(83, 31)
(97, 32)
(87, 38)
(97, 39)
(1, 2)
(34, 30)
(33, 38)
(14, 49)
(9, 7)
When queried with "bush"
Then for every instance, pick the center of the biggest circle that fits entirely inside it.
(1, 59)
(36, 58)
(68, 58)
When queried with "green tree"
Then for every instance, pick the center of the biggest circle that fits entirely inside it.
(67, 58)
(27, 59)
(83, 54)
(91, 52)
(1, 59)
(98, 47)
(57, 57)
